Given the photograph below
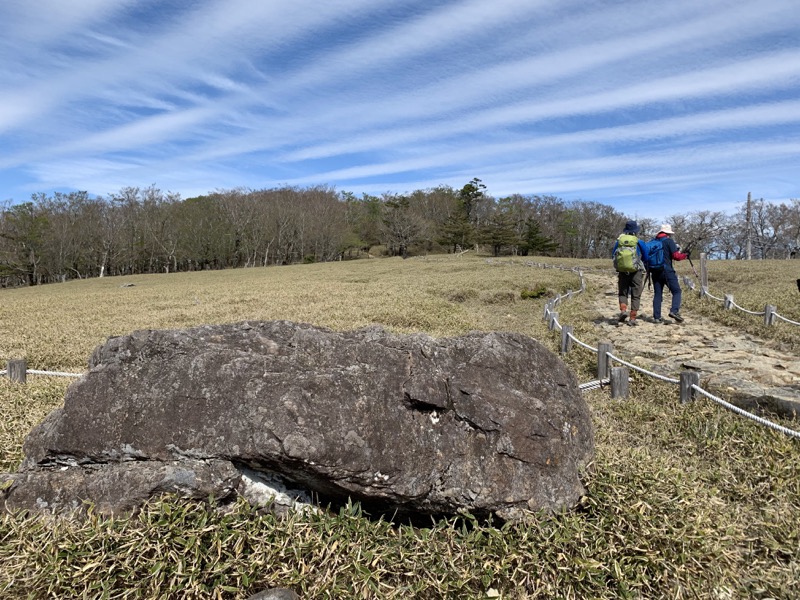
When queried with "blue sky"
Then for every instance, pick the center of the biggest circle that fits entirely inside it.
(653, 107)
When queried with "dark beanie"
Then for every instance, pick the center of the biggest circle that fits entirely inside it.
(631, 227)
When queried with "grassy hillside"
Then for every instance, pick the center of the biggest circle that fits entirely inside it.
(685, 501)
(753, 284)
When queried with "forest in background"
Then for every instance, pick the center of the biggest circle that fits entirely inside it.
(66, 236)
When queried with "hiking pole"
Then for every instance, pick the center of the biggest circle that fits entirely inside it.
(689, 256)
(693, 269)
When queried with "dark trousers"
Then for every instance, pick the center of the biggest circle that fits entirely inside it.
(630, 285)
(669, 279)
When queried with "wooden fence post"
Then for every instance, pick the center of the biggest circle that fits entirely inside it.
(603, 366)
(619, 382)
(728, 302)
(704, 272)
(551, 323)
(688, 379)
(566, 341)
(769, 314)
(17, 370)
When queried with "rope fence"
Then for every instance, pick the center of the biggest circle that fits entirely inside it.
(713, 297)
(580, 343)
(18, 371)
(770, 312)
(746, 414)
(749, 312)
(594, 385)
(643, 371)
(617, 377)
(53, 373)
(782, 318)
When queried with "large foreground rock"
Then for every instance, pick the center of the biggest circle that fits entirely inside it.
(490, 423)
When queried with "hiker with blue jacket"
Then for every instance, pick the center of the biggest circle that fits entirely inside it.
(666, 276)
(630, 257)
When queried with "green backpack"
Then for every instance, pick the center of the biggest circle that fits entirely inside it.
(626, 257)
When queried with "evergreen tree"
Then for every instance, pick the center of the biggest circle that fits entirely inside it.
(498, 232)
(534, 241)
(457, 232)
(470, 195)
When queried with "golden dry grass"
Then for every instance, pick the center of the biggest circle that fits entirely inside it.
(57, 326)
(753, 285)
(685, 501)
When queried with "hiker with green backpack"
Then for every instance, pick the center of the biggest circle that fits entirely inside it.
(630, 256)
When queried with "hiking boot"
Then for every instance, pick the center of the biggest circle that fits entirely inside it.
(677, 316)
(622, 316)
(633, 322)
(658, 321)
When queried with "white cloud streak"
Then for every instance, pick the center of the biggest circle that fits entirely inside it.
(595, 99)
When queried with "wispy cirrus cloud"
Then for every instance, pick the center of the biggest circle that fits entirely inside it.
(619, 102)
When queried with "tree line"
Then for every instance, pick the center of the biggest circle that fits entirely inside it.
(145, 230)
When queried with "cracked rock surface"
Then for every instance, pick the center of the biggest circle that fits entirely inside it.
(492, 423)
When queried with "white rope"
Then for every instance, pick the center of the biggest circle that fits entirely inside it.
(746, 414)
(750, 312)
(580, 343)
(53, 373)
(641, 370)
(785, 319)
(593, 385)
(3, 372)
(707, 293)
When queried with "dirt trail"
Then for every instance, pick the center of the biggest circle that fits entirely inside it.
(732, 363)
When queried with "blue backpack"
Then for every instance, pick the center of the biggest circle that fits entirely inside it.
(655, 255)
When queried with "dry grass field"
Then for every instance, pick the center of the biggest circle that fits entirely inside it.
(685, 501)
(753, 285)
